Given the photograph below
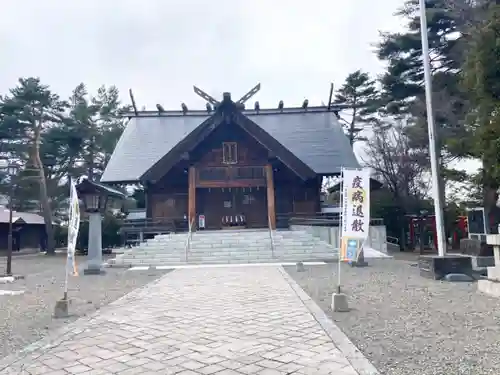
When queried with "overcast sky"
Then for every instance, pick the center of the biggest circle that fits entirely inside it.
(161, 48)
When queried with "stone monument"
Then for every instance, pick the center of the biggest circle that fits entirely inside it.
(491, 285)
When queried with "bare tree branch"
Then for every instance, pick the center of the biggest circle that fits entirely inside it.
(401, 168)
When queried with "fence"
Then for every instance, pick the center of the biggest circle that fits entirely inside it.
(327, 229)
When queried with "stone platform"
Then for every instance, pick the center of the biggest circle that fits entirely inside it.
(491, 285)
(233, 246)
(242, 320)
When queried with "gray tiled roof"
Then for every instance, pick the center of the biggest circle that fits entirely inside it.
(27, 217)
(315, 137)
(145, 141)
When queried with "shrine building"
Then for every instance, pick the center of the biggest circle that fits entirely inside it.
(235, 167)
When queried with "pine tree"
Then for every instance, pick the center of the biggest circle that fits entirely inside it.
(481, 70)
(358, 92)
(28, 112)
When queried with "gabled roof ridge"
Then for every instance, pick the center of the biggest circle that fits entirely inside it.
(204, 113)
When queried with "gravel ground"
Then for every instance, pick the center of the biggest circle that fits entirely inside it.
(406, 324)
(27, 318)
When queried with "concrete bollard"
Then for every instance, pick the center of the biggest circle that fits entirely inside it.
(61, 309)
(360, 262)
(339, 302)
(491, 285)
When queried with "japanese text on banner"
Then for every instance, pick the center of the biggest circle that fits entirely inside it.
(356, 203)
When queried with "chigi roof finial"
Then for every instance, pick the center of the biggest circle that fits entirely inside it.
(202, 94)
(249, 94)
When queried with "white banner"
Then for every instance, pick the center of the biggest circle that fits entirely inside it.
(355, 203)
(73, 227)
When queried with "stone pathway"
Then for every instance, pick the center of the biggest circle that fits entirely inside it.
(220, 321)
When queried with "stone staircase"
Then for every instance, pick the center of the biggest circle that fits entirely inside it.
(227, 246)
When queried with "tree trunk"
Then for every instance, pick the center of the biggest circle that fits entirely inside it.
(491, 214)
(402, 236)
(352, 127)
(91, 160)
(490, 197)
(44, 197)
(402, 221)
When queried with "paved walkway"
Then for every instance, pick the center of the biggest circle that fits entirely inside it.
(220, 321)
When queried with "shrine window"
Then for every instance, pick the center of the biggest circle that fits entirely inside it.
(229, 153)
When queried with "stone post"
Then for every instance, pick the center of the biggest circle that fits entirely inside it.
(94, 257)
(491, 286)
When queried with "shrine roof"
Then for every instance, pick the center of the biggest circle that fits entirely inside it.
(314, 135)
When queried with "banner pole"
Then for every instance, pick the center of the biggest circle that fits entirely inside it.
(61, 309)
(65, 296)
(66, 277)
(340, 227)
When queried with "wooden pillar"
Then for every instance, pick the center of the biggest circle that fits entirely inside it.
(271, 209)
(192, 196)
(148, 201)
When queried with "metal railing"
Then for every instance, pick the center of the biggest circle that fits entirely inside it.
(393, 244)
(154, 225)
(188, 240)
(323, 220)
(270, 235)
(393, 240)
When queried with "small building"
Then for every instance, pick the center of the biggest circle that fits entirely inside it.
(28, 230)
(230, 166)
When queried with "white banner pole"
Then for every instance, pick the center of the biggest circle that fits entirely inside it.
(340, 227)
(62, 306)
(66, 276)
(65, 297)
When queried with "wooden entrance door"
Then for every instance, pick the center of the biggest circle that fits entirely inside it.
(217, 203)
(213, 203)
(254, 206)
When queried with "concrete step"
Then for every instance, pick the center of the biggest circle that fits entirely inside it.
(218, 251)
(208, 246)
(221, 247)
(229, 255)
(231, 242)
(228, 260)
(198, 236)
(222, 250)
(231, 238)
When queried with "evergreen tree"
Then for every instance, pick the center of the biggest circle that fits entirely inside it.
(358, 92)
(481, 70)
(28, 112)
(403, 82)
